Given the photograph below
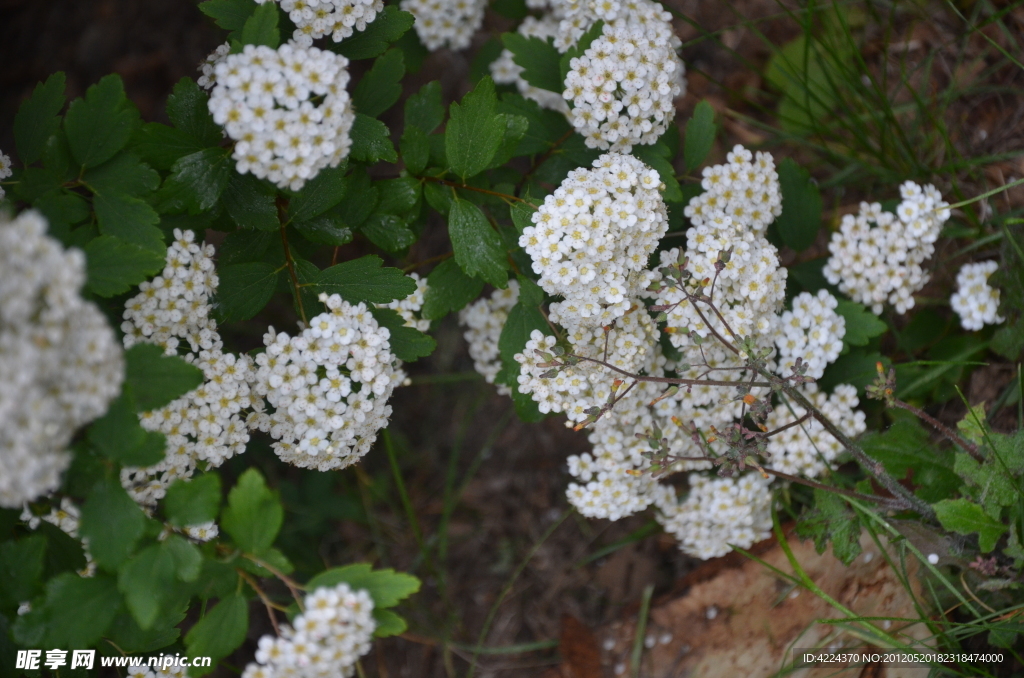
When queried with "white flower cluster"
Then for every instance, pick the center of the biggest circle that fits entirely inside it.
(578, 16)
(329, 387)
(338, 18)
(158, 671)
(5, 171)
(808, 449)
(975, 301)
(740, 199)
(484, 319)
(410, 307)
(622, 88)
(446, 23)
(60, 362)
(627, 345)
(327, 639)
(206, 424)
(592, 237)
(884, 263)
(717, 513)
(812, 331)
(67, 518)
(506, 71)
(265, 99)
(208, 67)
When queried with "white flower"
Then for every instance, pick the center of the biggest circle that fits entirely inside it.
(975, 301)
(60, 363)
(808, 449)
(410, 307)
(287, 109)
(812, 331)
(446, 23)
(484, 319)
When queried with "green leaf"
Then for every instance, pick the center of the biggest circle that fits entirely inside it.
(245, 289)
(425, 109)
(112, 522)
(415, 148)
(700, 135)
(371, 141)
(261, 27)
(118, 434)
(545, 127)
(193, 502)
(220, 632)
(230, 15)
(861, 324)
(62, 210)
(124, 174)
(522, 320)
(905, 447)
(407, 343)
(251, 203)
(162, 146)
(477, 246)
(388, 232)
(364, 279)
(449, 290)
(38, 118)
(514, 128)
(380, 88)
(386, 587)
(94, 600)
(378, 36)
(831, 521)
(510, 9)
(538, 58)
(326, 229)
(801, 206)
(130, 219)
(101, 124)
(188, 559)
(188, 108)
(319, 194)
(988, 483)
(21, 569)
(253, 515)
(198, 179)
(856, 367)
(114, 266)
(474, 132)
(965, 517)
(157, 379)
(145, 581)
(388, 624)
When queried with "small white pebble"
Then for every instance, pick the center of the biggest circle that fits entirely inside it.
(620, 668)
(933, 558)
(665, 639)
(795, 593)
(650, 641)
(886, 624)
(868, 557)
(711, 612)
(609, 644)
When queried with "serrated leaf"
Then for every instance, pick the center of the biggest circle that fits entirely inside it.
(425, 109)
(700, 135)
(220, 632)
(386, 587)
(415, 148)
(21, 569)
(95, 602)
(124, 174)
(387, 27)
(365, 279)
(538, 58)
(37, 118)
(988, 483)
(261, 27)
(831, 521)
(144, 581)
(801, 206)
(514, 128)
(319, 194)
(407, 343)
(388, 232)
(228, 14)
(861, 324)
(198, 180)
(188, 108)
(380, 88)
(474, 132)
(245, 289)
(157, 379)
(114, 266)
(251, 203)
(193, 502)
(388, 624)
(188, 560)
(545, 128)
(101, 124)
(905, 446)
(130, 219)
(112, 522)
(326, 229)
(966, 517)
(478, 248)
(162, 146)
(253, 515)
(448, 290)
(371, 141)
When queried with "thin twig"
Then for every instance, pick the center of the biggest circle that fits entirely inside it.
(503, 196)
(667, 380)
(291, 265)
(263, 596)
(949, 433)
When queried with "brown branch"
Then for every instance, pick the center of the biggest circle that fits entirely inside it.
(263, 596)
(431, 260)
(290, 262)
(293, 586)
(949, 433)
(503, 196)
(895, 504)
